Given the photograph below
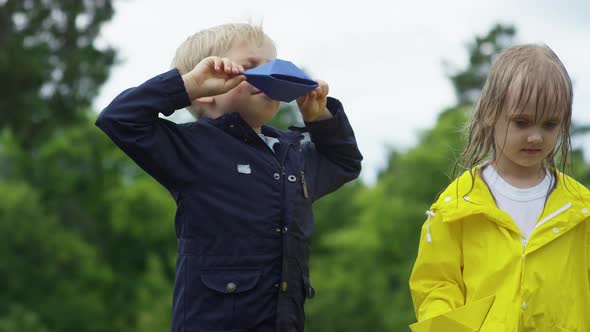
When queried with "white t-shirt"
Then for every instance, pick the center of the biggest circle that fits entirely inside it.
(523, 205)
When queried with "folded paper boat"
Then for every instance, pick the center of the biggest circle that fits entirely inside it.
(468, 318)
(280, 80)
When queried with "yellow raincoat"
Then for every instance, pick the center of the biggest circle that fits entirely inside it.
(470, 249)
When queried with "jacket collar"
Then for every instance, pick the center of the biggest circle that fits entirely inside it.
(567, 206)
(233, 124)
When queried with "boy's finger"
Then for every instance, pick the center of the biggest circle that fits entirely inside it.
(217, 64)
(301, 100)
(236, 68)
(227, 65)
(322, 88)
(234, 81)
(318, 91)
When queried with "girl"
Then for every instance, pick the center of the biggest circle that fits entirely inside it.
(512, 226)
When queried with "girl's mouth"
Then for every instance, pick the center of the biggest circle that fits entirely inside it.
(532, 151)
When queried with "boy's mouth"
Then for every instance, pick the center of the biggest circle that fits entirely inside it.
(257, 92)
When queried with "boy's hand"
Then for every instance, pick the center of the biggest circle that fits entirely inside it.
(213, 76)
(313, 104)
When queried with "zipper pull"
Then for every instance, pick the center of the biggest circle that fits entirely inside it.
(304, 185)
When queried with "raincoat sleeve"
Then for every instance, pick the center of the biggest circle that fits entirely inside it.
(436, 282)
(157, 145)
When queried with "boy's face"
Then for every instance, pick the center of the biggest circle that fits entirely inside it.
(255, 107)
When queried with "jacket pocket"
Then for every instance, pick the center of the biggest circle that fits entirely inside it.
(224, 299)
(230, 282)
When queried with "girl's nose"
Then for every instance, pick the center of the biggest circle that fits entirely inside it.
(535, 138)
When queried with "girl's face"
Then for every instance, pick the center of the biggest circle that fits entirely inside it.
(524, 138)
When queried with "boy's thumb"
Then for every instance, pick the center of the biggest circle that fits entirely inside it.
(234, 81)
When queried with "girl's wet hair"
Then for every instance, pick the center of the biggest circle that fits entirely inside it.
(520, 75)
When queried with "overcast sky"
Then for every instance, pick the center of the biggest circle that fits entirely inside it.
(382, 59)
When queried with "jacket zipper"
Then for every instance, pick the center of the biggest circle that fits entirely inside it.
(304, 186)
(554, 214)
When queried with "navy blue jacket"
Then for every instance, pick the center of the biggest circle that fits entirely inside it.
(244, 219)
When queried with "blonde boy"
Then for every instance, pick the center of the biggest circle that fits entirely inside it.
(243, 189)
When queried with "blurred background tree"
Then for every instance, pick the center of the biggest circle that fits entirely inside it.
(482, 51)
(86, 238)
(49, 61)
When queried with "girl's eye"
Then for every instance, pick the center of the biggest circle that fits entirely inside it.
(550, 125)
(520, 123)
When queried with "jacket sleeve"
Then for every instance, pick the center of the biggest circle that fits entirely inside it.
(436, 282)
(155, 144)
(332, 158)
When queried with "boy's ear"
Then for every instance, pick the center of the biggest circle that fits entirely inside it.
(206, 100)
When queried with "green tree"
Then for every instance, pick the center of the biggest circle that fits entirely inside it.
(93, 237)
(469, 81)
(20, 319)
(287, 116)
(48, 271)
(115, 207)
(86, 240)
(50, 66)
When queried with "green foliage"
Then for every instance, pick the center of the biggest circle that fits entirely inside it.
(92, 235)
(334, 212)
(468, 82)
(20, 319)
(50, 269)
(287, 116)
(49, 64)
(76, 253)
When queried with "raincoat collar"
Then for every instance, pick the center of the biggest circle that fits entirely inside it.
(567, 206)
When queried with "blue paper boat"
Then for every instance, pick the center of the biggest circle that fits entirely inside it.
(280, 80)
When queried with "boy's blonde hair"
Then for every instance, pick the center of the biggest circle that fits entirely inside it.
(214, 41)
(520, 74)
